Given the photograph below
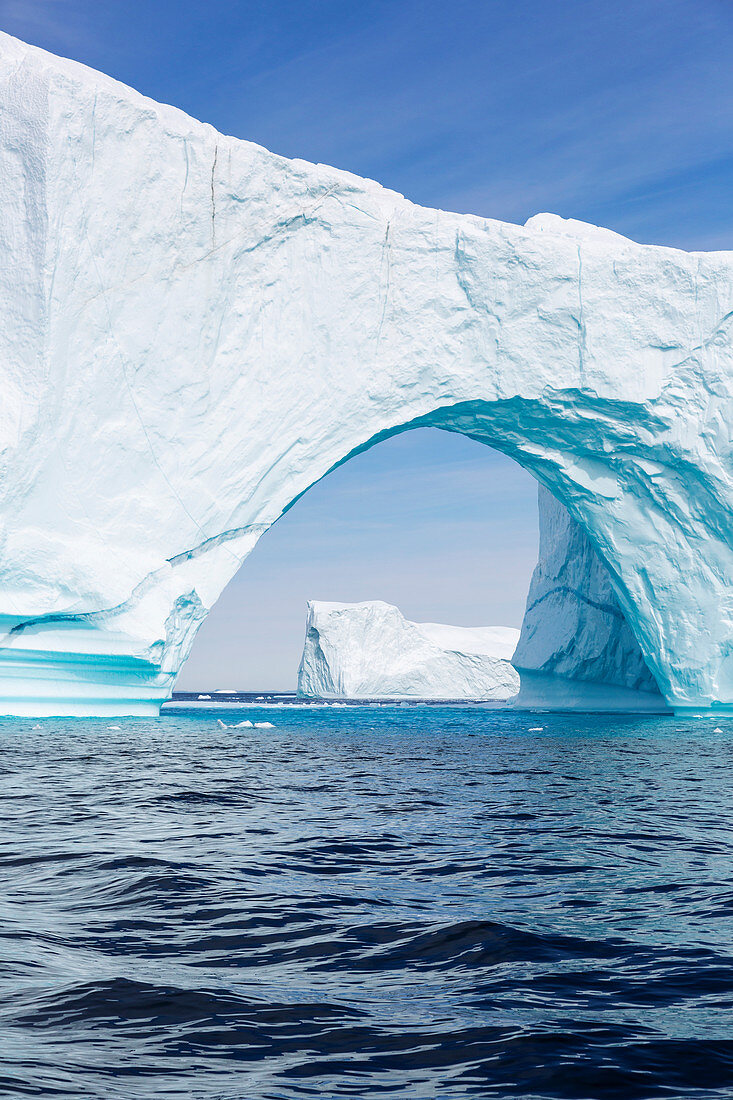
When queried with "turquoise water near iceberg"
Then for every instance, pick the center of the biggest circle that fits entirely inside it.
(417, 902)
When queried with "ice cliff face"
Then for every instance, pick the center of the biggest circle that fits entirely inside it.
(369, 651)
(194, 331)
(573, 626)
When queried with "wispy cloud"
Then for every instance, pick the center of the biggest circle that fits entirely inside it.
(586, 109)
(56, 25)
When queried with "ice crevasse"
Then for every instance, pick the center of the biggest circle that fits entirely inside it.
(195, 330)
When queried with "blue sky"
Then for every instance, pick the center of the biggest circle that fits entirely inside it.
(616, 113)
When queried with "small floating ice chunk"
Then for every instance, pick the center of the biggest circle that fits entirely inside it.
(717, 730)
(535, 729)
(204, 696)
(114, 727)
(245, 725)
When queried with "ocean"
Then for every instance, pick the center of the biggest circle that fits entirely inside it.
(371, 902)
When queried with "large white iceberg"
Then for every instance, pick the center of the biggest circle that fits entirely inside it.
(194, 331)
(370, 651)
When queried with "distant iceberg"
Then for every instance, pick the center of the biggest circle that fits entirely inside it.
(370, 651)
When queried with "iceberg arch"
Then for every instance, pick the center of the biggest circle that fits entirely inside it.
(195, 330)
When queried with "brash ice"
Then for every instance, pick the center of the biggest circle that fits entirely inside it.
(194, 331)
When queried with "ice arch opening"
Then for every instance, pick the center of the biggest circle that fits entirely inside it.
(587, 598)
(195, 330)
(576, 647)
(429, 492)
(430, 522)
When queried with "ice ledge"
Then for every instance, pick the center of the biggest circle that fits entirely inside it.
(80, 685)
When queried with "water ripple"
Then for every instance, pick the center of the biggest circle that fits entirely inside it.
(392, 902)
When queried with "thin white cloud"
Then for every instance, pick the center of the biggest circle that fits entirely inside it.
(56, 25)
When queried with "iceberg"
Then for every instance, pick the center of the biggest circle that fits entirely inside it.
(195, 331)
(370, 651)
(573, 628)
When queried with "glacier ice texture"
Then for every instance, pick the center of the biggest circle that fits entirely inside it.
(195, 331)
(370, 651)
(575, 638)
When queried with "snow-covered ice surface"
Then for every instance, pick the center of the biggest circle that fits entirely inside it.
(370, 651)
(195, 330)
(495, 641)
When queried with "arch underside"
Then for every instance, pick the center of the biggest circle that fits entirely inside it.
(577, 650)
(194, 331)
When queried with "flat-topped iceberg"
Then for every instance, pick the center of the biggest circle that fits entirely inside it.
(370, 651)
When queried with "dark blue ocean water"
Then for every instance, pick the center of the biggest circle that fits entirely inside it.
(367, 902)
